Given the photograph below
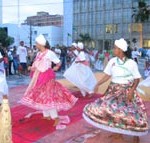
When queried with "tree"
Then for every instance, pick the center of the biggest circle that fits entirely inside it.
(85, 38)
(5, 39)
(142, 12)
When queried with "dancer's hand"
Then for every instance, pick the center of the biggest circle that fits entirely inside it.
(96, 88)
(30, 68)
(130, 95)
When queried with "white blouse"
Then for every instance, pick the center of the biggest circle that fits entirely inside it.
(122, 72)
(46, 61)
(81, 56)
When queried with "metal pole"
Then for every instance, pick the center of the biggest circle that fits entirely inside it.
(18, 21)
(30, 35)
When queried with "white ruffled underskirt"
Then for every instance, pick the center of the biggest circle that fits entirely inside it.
(112, 129)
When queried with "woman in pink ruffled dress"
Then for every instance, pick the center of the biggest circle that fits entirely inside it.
(44, 93)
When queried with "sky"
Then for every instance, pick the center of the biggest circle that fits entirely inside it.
(12, 13)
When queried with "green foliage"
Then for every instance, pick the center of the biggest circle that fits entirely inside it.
(134, 40)
(5, 39)
(85, 38)
(142, 13)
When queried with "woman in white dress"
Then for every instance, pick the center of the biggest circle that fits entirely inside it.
(5, 116)
(144, 86)
(80, 74)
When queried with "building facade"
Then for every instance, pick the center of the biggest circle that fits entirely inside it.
(44, 19)
(68, 22)
(107, 20)
(1, 12)
(28, 34)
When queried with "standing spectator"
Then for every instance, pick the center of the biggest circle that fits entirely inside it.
(135, 54)
(106, 58)
(22, 53)
(15, 60)
(99, 60)
(10, 59)
(73, 52)
(58, 52)
(2, 50)
(63, 56)
(6, 64)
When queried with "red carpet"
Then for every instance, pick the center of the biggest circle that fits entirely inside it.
(34, 128)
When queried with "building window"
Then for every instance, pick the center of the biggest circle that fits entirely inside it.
(100, 17)
(146, 43)
(90, 5)
(136, 27)
(99, 30)
(108, 17)
(118, 16)
(126, 16)
(90, 18)
(100, 5)
(77, 6)
(109, 4)
(83, 18)
(35, 32)
(115, 28)
(45, 35)
(127, 3)
(117, 4)
(111, 28)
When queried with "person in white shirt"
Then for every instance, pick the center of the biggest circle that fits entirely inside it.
(58, 52)
(120, 110)
(22, 53)
(144, 86)
(135, 54)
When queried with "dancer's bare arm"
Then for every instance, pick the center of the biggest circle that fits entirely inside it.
(105, 78)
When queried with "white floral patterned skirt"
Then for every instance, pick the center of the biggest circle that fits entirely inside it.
(115, 113)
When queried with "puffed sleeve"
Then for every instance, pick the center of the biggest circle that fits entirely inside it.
(135, 71)
(81, 57)
(1, 55)
(109, 65)
(53, 57)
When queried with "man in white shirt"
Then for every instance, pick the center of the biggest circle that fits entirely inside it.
(22, 54)
(58, 52)
(135, 54)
